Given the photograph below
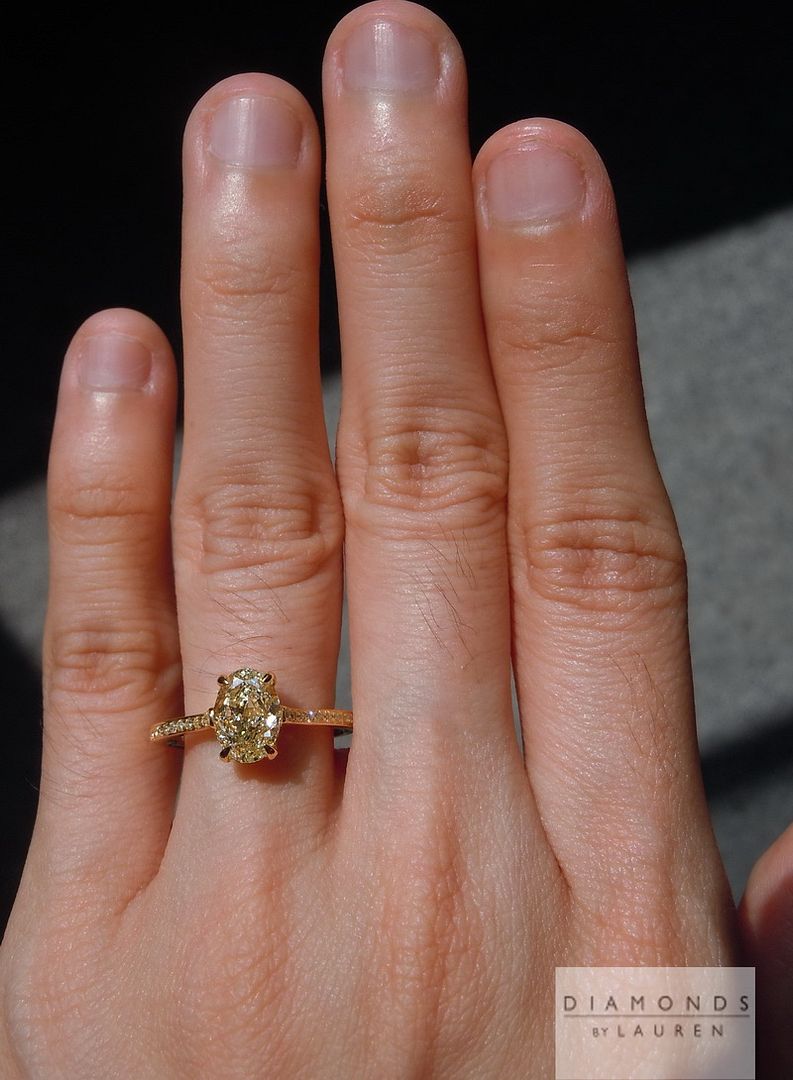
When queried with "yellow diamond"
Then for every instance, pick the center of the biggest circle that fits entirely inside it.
(247, 715)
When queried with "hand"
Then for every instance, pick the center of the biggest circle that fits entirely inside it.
(400, 912)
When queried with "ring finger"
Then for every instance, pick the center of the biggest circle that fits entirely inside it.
(257, 516)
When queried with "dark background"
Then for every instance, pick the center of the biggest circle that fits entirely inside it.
(690, 111)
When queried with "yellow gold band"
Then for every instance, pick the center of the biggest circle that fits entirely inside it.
(180, 725)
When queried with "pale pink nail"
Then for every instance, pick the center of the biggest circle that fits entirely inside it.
(387, 56)
(113, 362)
(256, 133)
(536, 184)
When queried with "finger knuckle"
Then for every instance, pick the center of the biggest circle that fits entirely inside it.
(109, 659)
(257, 535)
(84, 511)
(615, 564)
(398, 210)
(245, 277)
(555, 333)
(406, 476)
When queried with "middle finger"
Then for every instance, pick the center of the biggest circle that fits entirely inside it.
(421, 452)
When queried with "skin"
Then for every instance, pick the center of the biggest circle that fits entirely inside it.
(397, 912)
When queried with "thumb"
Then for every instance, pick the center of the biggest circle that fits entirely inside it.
(766, 926)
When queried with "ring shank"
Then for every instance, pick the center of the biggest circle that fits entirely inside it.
(178, 726)
(335, 717)
(181, 725)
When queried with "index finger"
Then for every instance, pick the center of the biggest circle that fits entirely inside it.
(597, 568)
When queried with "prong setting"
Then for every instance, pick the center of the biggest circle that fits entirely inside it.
(247, 716)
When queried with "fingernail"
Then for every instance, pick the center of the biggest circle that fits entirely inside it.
(255, 132)
(388, 56)
(114, 362)
(537, 184)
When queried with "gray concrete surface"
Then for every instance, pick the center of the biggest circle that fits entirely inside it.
(715, 326)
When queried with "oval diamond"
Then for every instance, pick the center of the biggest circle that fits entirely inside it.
(248, 715)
